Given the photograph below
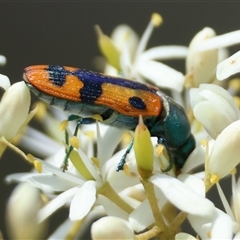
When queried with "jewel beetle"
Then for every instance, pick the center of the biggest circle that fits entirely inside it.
(118, 101)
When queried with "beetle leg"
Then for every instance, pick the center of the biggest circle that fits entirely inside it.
(163, 142)
(121, 163)
(79, 123)
(178, 156)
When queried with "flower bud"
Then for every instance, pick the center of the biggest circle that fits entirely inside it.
(214, 107)
(111, 228)
(14, 109)
(22, 211)
(3, 60)
(185, 236)
(4, 82)
(201, 65)
(143, 149)
(224, 156)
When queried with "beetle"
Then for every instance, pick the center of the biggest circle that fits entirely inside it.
(118, 101)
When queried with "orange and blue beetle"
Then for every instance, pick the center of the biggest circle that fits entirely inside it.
(119, 101)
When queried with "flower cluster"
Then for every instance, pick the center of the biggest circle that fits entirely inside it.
(142, 201)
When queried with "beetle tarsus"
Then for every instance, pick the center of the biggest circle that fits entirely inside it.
(121, 163)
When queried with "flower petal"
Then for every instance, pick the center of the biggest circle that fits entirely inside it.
(56, 203)
(103, 140)
(221, 41)
(206, 113)
(58, 172)
(21, 177)
(195, 159)
(201, 225)
(183, 197)
(111, 208)
(229, 66)
(164, 53)
(200, 66)
(219, 225)
(211, 102)
(83, 201)
(222, 93)
(118, 180)
(51, 183)
(141, 217)
(192, 181)
(222, 227)
(38, 143)
(225, 153)
(89, 165)
(15, 102)
(162, 75)
(236, 199)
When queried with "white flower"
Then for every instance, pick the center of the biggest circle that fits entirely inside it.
(75, 188)
(214, 107)
(138, 63)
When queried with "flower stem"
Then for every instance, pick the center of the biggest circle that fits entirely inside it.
(178, 220)
(74, 229)
(5, 143)
(149, 189)
(3, 146)
(111, 194)
(149, 234)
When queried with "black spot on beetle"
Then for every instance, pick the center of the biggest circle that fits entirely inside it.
(137, 103)
(57, 74)
(90, 91)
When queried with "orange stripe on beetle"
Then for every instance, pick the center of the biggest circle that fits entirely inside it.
(131, 102)
(40, 78)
